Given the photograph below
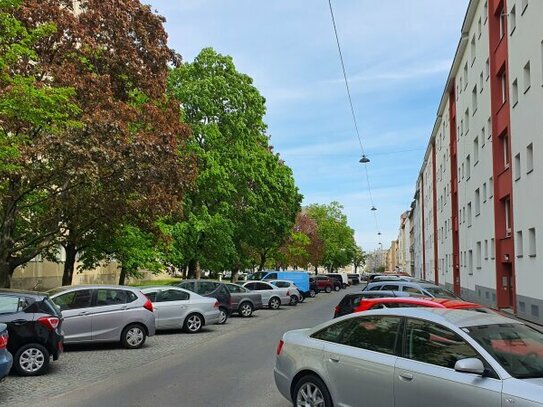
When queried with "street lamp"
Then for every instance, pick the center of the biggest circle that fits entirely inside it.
(373, 208)
(364, 159)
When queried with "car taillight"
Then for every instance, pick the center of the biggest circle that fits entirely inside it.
(50, 323)
(216, 305)
(148, 305)
(337, 309)
(4, 341)
(280, 346)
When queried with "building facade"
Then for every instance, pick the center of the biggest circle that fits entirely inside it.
(475, 211)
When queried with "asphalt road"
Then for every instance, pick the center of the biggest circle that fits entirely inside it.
(232, 368)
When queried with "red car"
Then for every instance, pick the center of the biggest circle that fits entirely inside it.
(403, 302)
(324, 283)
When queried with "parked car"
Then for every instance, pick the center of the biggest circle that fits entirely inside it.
(313, 288)
(354, 279)
(324, 283)
(299, 277)
(425, 289)
(213, 289)
(177, 308)
(455, 357)
(350, 301)
(244, 302)
(405, 302)
(6, 359)
(34, 329)
(272, 297)
(295, 295)
(337, 281)
(100, 313)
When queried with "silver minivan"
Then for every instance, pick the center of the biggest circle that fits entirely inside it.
(105, 314)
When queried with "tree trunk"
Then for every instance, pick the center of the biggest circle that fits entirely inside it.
(5, 274)
(191, 272)
(69, 264)
(198, 271)
(122, 276)
(234, 276)
(262, 262)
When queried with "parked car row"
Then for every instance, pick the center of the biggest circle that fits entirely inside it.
(403, 336)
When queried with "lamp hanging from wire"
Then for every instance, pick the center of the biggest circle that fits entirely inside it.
(364, 159)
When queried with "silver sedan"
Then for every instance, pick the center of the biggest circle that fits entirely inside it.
(177, 308)
(413, 357)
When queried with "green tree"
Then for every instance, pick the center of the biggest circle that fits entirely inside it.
(243, 190)
(337, 237)
(359, 258)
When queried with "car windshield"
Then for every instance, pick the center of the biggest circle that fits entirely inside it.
(516, 347)
(441, 293)
(259, 275)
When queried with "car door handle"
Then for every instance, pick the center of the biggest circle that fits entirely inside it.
(406, 377)
(83, 313)
(19, 322)
(334, 360)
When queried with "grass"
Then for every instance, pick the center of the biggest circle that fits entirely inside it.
(169, 281)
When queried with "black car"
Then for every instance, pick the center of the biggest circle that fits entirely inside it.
(313, 288)
(348, 304)
(213, 289)
(337, 280)
(34, 326)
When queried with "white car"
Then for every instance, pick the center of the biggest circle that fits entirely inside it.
(177, 308)
(272, 297)
(295, 295)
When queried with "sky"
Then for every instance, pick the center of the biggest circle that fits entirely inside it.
(397, 55)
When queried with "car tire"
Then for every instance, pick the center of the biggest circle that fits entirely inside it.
(311, 391)
(193, 323)
(274, 303)
(337, 288)
(246, 309)
(328, 290)
(223, 315)
(294, 300)
(31, 360)
(312, 293)
(133, 336)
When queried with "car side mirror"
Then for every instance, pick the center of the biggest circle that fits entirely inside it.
(470, 365)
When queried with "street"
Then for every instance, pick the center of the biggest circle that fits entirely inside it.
(223, 366)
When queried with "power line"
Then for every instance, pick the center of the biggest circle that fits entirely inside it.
(353, 111)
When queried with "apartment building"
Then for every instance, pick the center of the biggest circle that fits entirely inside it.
(475, 211)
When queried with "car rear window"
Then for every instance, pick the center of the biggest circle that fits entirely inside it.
(10, 304)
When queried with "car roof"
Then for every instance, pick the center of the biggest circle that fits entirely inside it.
(11, 291)
(282, 281)
(457, 317)
(405, 300)
(162, 287)
(195, 280)
(65, 288)
(456, 304)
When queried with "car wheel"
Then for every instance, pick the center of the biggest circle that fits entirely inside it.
(328, 289)
(193, 323)
(337, 288)
(294, 300)
(133, 336)
(31, 360)
(274, 303)
(246, 310)
(311, 391)
(223, 315)
(312, 293)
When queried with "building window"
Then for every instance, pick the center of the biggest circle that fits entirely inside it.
(512, 19)
(489, 124)
(479, 27)
(465, 75)
(517, 167)
(524, 6)
(503, 21)
(532, 249)
(477, 202)
(505, 148)
(470, 262)
(527, 77)
(519, 243)
(468, 167)
(467, 120)
(483, 137)
(469, 214)
(481, 83)
(485, 10)
(486, 249)
(492, 249)
(474, 99)
(487, 68)
(479, 256)
(514, 95)
(484, 192)
(507, 216)
(473, 50)
(529, 158)
(503, 84)
(475, 151)
(490, 187)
